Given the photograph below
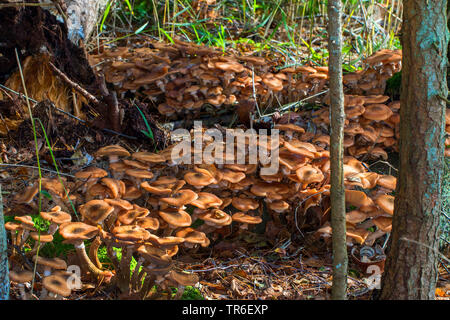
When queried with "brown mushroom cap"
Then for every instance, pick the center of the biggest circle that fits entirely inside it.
(207, 200)
(215, 217)
(112, 150)
(148, 157)
(54, 263)
(191, 235)
(289, 127)
(278, 206)
(358, 234)
(309, 174)
(119, 203)
(387, 181)
(129, 216)
(245, 218)
(386, 203)
(56, 284)
(357, 198)
(96, 210)
(244, 204)
(383, 223)
(77, 231)
(154, 255)
(21, 276)
(91, 172)
(199, 178)
(28, 195)
(183, 279)
(43, 238)
(156, 189)
(176, 217)
(26, 222)
(180, 198)
(355, 216)
(130, 233)
(57, 217)
(377, 112)
(139, 173)
(148, 223)
(165, 242)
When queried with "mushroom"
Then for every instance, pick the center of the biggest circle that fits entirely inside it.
(113, 152)
(75, 233)
(245, 219)
(57, 285)
(22, 278)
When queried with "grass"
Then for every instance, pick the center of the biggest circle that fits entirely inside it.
(295, 29)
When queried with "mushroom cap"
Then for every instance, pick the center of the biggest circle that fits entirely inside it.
(232, 176)
(183, 278)
(112, 150)
(21, 276)
(43, 238)
(180, 198)
(96, 210)
(154, 255)
(216, 217)
(91, 172)
(244, 204)
(165, 242)
(13, 226)
(309, 174)
(358, 234)
(207, 200)
(77, 231)
(54, 186)
(148, 157)
(156, 189)
(191, 235)
(129, 216)
(355, 216)
(130, 233)
(139, 173)
(386, 203)
(148, 223)
(57, 284)
(387, 181)
(57, 217)
(199, 178)
(278, 206)
(383, 223)
(28, 195)
(136, 164)
(119, 203)
(377, 112)
(245, 218)
(54, 263)
(26, 222)
(176, 217)
(357, 198)
(289, 127)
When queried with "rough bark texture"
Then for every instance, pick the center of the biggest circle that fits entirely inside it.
(4, 273)
(340, 258)
(411, 266)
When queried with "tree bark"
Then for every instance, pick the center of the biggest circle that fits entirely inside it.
(411, 267)
(4, 273)
(340, 258)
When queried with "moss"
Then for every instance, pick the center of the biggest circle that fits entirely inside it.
(191, 293)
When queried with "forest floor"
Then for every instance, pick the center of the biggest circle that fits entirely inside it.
(246, 265)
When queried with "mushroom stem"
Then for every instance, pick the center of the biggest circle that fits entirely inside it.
(148, 284)
(135, 284)
(86, 262)
(179, 293)
(93, 250)
(124, 269)
(53, 228)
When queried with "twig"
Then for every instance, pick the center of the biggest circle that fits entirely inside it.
(74, 85)
(33, 167)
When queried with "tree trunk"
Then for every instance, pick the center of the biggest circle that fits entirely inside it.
(340, 259)
(411, 267)
(4, 273)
